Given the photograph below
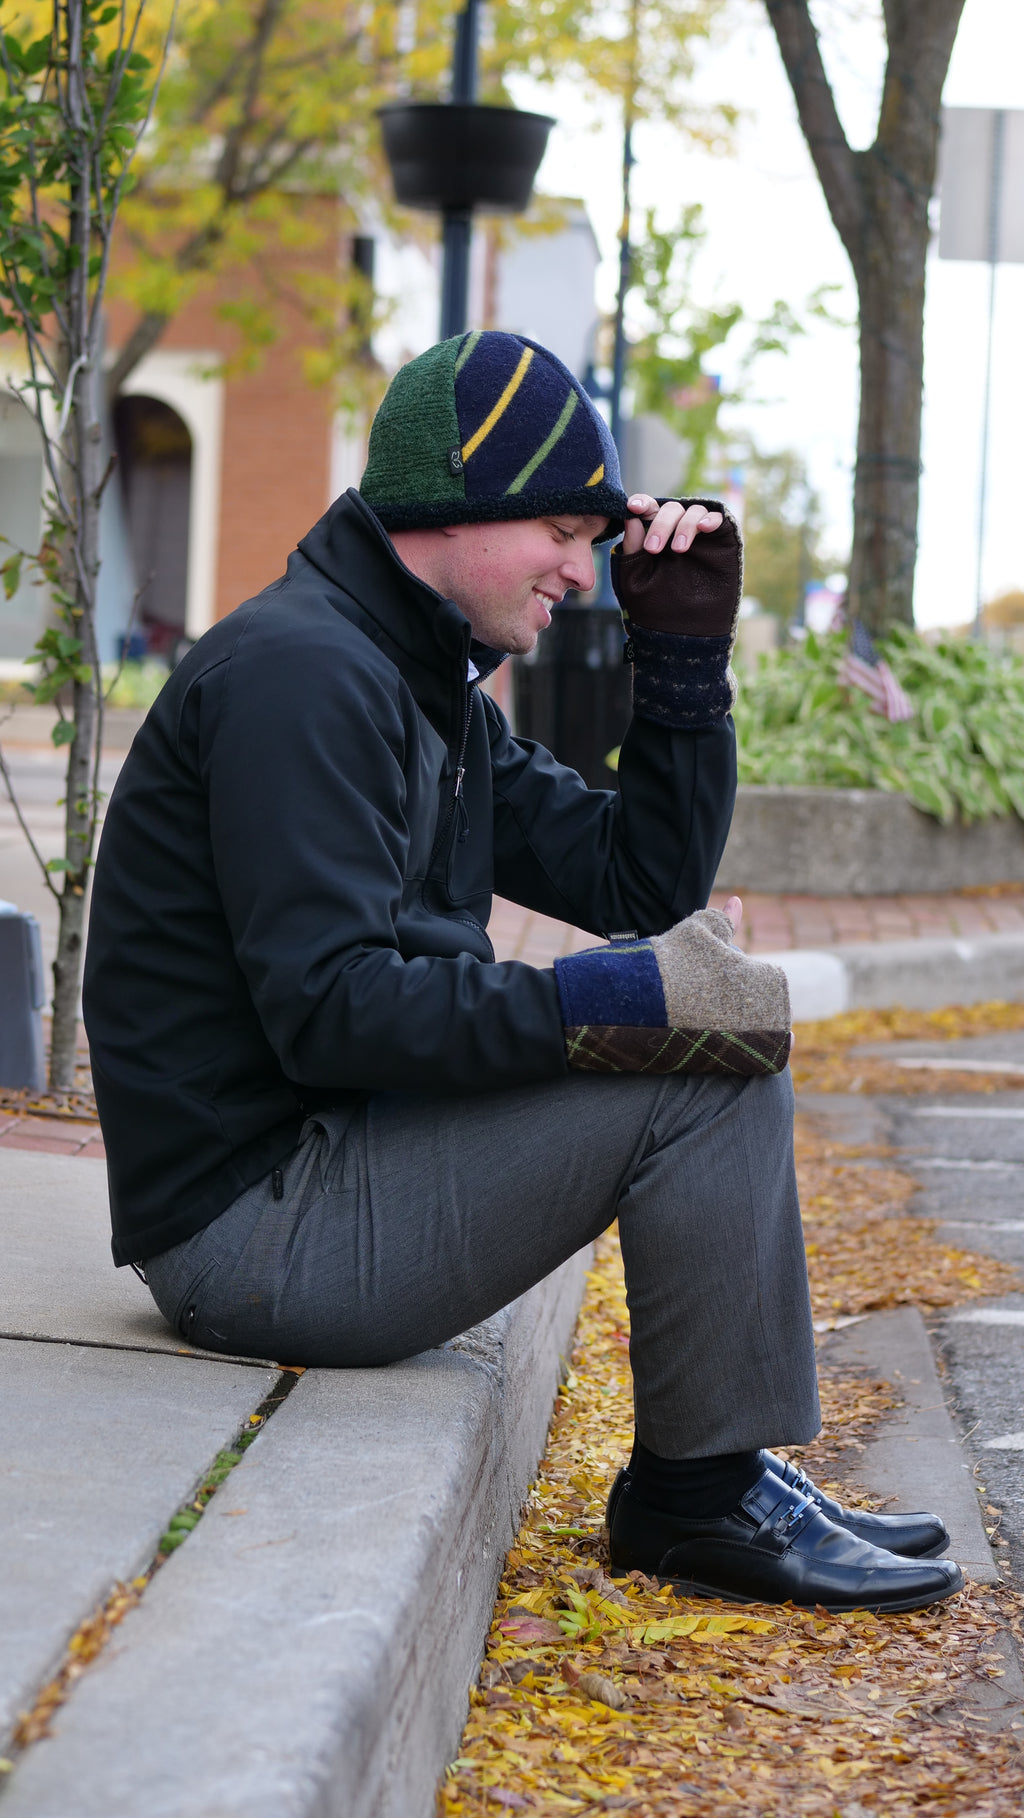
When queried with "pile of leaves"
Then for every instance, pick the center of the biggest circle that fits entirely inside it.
(961, 756)
(863, 1252)
(598, 1696)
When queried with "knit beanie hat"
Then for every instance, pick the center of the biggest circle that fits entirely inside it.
(489, 426)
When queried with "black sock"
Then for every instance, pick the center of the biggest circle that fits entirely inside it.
(695, 1487)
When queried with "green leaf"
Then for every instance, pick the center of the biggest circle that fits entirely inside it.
(63, 733)
(930, 795)
(36, 56)
(11, 571)
(58, 864)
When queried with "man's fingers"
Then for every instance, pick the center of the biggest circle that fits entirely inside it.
(670, 524)
(643, 509)
(689, 525)
(734, 910)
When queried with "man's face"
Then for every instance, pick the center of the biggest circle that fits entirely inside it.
(506, 577)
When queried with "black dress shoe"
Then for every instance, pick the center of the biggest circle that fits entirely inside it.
(911, 1536)
(775, 1547)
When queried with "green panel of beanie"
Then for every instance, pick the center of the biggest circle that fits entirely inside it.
(490, 427)
(415, 447)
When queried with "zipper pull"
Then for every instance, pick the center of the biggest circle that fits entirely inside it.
(461, 811)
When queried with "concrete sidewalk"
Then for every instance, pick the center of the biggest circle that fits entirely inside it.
(310, 1647)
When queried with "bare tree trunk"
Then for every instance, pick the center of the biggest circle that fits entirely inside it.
(66, 167)
(83, 481)
(890, 272)
(878, 200)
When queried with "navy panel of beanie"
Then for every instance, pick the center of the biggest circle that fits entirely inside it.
(489, 426)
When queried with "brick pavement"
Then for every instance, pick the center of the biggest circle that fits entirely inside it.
(770, 923)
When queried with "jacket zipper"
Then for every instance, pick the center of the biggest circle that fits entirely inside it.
(456, 798)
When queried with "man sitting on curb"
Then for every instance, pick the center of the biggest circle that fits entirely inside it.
(338, 1131)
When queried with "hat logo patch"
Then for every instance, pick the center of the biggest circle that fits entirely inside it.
(455, 462)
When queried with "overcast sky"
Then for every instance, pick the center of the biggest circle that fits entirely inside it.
(770, 236)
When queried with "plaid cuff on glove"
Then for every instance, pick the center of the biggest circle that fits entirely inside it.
(683, 1002)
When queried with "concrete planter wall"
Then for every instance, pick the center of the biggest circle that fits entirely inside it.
(860, 842)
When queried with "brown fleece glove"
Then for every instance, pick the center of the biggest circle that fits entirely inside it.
(697, 593)
(680, 613)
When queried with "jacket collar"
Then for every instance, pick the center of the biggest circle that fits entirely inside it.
(426, 635)
(351, 547)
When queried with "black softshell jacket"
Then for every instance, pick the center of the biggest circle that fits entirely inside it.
(295, 877)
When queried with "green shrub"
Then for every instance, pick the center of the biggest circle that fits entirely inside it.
(137, 684)
(962, 754)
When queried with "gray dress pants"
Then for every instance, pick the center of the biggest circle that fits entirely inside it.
(406, 1219)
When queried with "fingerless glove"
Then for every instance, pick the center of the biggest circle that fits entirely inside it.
(680, 614)
(688, 1001)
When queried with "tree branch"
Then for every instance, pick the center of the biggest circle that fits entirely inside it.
(26, 830)
(834, 160)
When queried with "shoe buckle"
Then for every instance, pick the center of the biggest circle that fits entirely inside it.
(794, 1516)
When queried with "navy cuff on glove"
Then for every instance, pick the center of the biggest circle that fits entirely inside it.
(681, 681)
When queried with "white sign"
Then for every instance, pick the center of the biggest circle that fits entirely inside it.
(981, 184)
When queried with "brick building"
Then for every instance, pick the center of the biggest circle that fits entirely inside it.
(220, 470)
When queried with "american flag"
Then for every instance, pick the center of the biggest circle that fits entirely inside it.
(863, 668)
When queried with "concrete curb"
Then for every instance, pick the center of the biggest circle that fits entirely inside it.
(914, 1458)
(917, 974)
(309, 1650)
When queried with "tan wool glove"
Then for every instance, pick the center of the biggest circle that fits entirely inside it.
(688, 1001)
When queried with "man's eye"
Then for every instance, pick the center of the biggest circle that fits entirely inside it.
(567, 536)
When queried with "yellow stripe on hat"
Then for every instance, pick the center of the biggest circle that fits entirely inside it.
(501, 406)
(598, 474)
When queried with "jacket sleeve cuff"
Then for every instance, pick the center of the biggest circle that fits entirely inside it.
(681, 681)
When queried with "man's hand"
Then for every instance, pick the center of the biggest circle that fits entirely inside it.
(670, 525)
(678, 577)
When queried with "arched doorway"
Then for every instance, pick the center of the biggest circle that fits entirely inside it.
(154, 453)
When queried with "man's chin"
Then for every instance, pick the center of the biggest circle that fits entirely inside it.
(523, 643)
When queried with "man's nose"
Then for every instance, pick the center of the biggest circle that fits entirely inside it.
(578, 570)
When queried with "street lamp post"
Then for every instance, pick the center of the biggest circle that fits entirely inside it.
(458, 156)
(457, 223)
(606, 593)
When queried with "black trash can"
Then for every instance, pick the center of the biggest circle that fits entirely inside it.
(573, 691)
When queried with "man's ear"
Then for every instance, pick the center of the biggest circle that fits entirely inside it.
(449, 530)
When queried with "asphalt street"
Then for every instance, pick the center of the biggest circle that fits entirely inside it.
(967, 1152)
